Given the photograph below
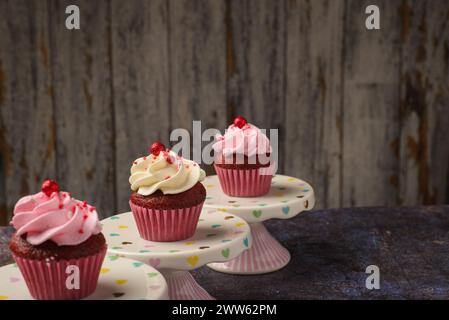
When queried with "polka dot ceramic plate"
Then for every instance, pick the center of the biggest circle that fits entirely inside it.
(218, 237)
(120, 279)
(287, 197)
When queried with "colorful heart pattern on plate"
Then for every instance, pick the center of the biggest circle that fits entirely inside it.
(225, 252)
(217, 233)
(287, 197)
(155, 262)
(257, 213)
(192, 260)
(118, 279)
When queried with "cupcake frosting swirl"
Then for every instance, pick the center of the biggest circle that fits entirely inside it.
(248, 140)
(167, 172)
(58, 217)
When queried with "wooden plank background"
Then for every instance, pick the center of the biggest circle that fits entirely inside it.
(363, 115)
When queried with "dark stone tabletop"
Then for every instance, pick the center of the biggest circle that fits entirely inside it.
(330, 252)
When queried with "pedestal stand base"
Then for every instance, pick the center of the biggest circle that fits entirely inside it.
(266, 255)
(182, 286)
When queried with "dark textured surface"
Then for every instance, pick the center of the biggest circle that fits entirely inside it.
(5, 235)
(331, 250)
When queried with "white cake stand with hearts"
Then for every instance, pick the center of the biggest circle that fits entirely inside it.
(219, 237)
(287, 197)
(120, 279)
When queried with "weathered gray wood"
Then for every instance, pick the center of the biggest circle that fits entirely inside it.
(256, 64)
(424, 102)
(197, 65)
(362, 114)
(140, 68)
(313, 128)
(83, 104)
(370, 106)
(27, 128)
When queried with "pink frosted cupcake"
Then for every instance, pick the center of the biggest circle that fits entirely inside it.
(242, 160)
(167, 195)
(58, 245)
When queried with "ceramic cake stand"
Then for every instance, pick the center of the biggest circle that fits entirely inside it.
(219, 237)
(120, 279)
(288, 196)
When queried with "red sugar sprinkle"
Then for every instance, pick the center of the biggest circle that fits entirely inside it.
(84, 204)
(85, 216)
(144, 158)
(167, 177)
(73, 209)
(81, 231)
(91, 209)
(61, 206)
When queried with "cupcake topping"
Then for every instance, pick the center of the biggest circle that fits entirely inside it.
(165, 171)
(242, 137)
(49, 186)
(56, 216)
(156, 148)
(240, 122)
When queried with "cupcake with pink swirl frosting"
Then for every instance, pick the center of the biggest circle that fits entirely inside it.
(242, 160)
(57, 237)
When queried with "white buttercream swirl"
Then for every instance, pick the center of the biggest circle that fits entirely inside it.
(152, 173)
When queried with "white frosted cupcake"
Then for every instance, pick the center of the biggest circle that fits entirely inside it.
(167, 195)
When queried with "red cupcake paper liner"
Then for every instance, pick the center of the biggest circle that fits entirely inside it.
(166, 225)
(244, 182)
(49, 279)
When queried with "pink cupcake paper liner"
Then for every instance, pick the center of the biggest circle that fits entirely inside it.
(166, 225)
(47, 279)
(244, 182)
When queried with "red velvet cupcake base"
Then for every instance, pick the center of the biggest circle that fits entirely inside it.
(54, 279)
(166, 225)
(243, 182)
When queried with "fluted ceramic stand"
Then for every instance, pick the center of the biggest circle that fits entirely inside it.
(218, 238)
(287, 197)
(266, 255)
(182, 286)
